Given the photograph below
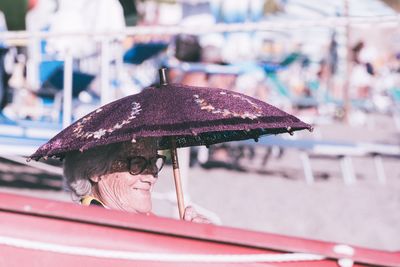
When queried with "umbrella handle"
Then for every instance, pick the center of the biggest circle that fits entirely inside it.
(177, 178)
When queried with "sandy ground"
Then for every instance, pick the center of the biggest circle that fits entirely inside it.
(275, 198)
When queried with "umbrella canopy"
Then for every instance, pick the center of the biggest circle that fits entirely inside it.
(193, 115)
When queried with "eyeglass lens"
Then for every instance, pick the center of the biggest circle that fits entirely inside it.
(139, 164)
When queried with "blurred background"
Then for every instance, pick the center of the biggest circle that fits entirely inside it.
(335, 65)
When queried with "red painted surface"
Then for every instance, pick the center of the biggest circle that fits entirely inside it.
(73, 225)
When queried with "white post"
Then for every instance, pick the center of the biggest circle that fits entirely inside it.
(380, 171)
(307, 167)
(347, 170)
(105, 71)
(67, 91)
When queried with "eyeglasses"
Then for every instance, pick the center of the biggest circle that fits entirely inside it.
(137, 165)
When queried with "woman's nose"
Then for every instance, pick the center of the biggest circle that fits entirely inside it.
(149, 178)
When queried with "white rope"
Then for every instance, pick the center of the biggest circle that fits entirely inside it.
(159, 257)
(383, 21)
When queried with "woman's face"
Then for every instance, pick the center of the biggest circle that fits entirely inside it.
(121, 190)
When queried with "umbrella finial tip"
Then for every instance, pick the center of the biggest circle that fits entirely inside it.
(163, 76)
(289, 130)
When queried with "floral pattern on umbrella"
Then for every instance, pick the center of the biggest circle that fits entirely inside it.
(193, 115)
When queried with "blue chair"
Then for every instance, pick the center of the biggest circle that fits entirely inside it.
(141, 52)
(80, 80)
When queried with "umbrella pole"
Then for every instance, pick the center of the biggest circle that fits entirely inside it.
(174, 157)
(177, 178)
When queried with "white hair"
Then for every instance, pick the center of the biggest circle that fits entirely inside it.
(79, 167)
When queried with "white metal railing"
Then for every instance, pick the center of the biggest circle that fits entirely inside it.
(378, 21)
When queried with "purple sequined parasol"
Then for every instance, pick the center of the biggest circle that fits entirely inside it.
(193, 115)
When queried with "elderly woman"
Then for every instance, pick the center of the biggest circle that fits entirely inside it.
(119, 176)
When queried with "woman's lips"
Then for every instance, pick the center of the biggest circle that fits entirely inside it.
(142, 188)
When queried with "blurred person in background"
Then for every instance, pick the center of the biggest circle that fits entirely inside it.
(7, 66)
(3, 74)
(38, 19)
(46, 56)
(3, 26)
(118, 176)
(362, 75)
(24, 80)
(90, 16)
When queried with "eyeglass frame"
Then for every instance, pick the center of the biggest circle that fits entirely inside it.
(147, 161)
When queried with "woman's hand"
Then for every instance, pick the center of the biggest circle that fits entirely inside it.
(191, 215)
